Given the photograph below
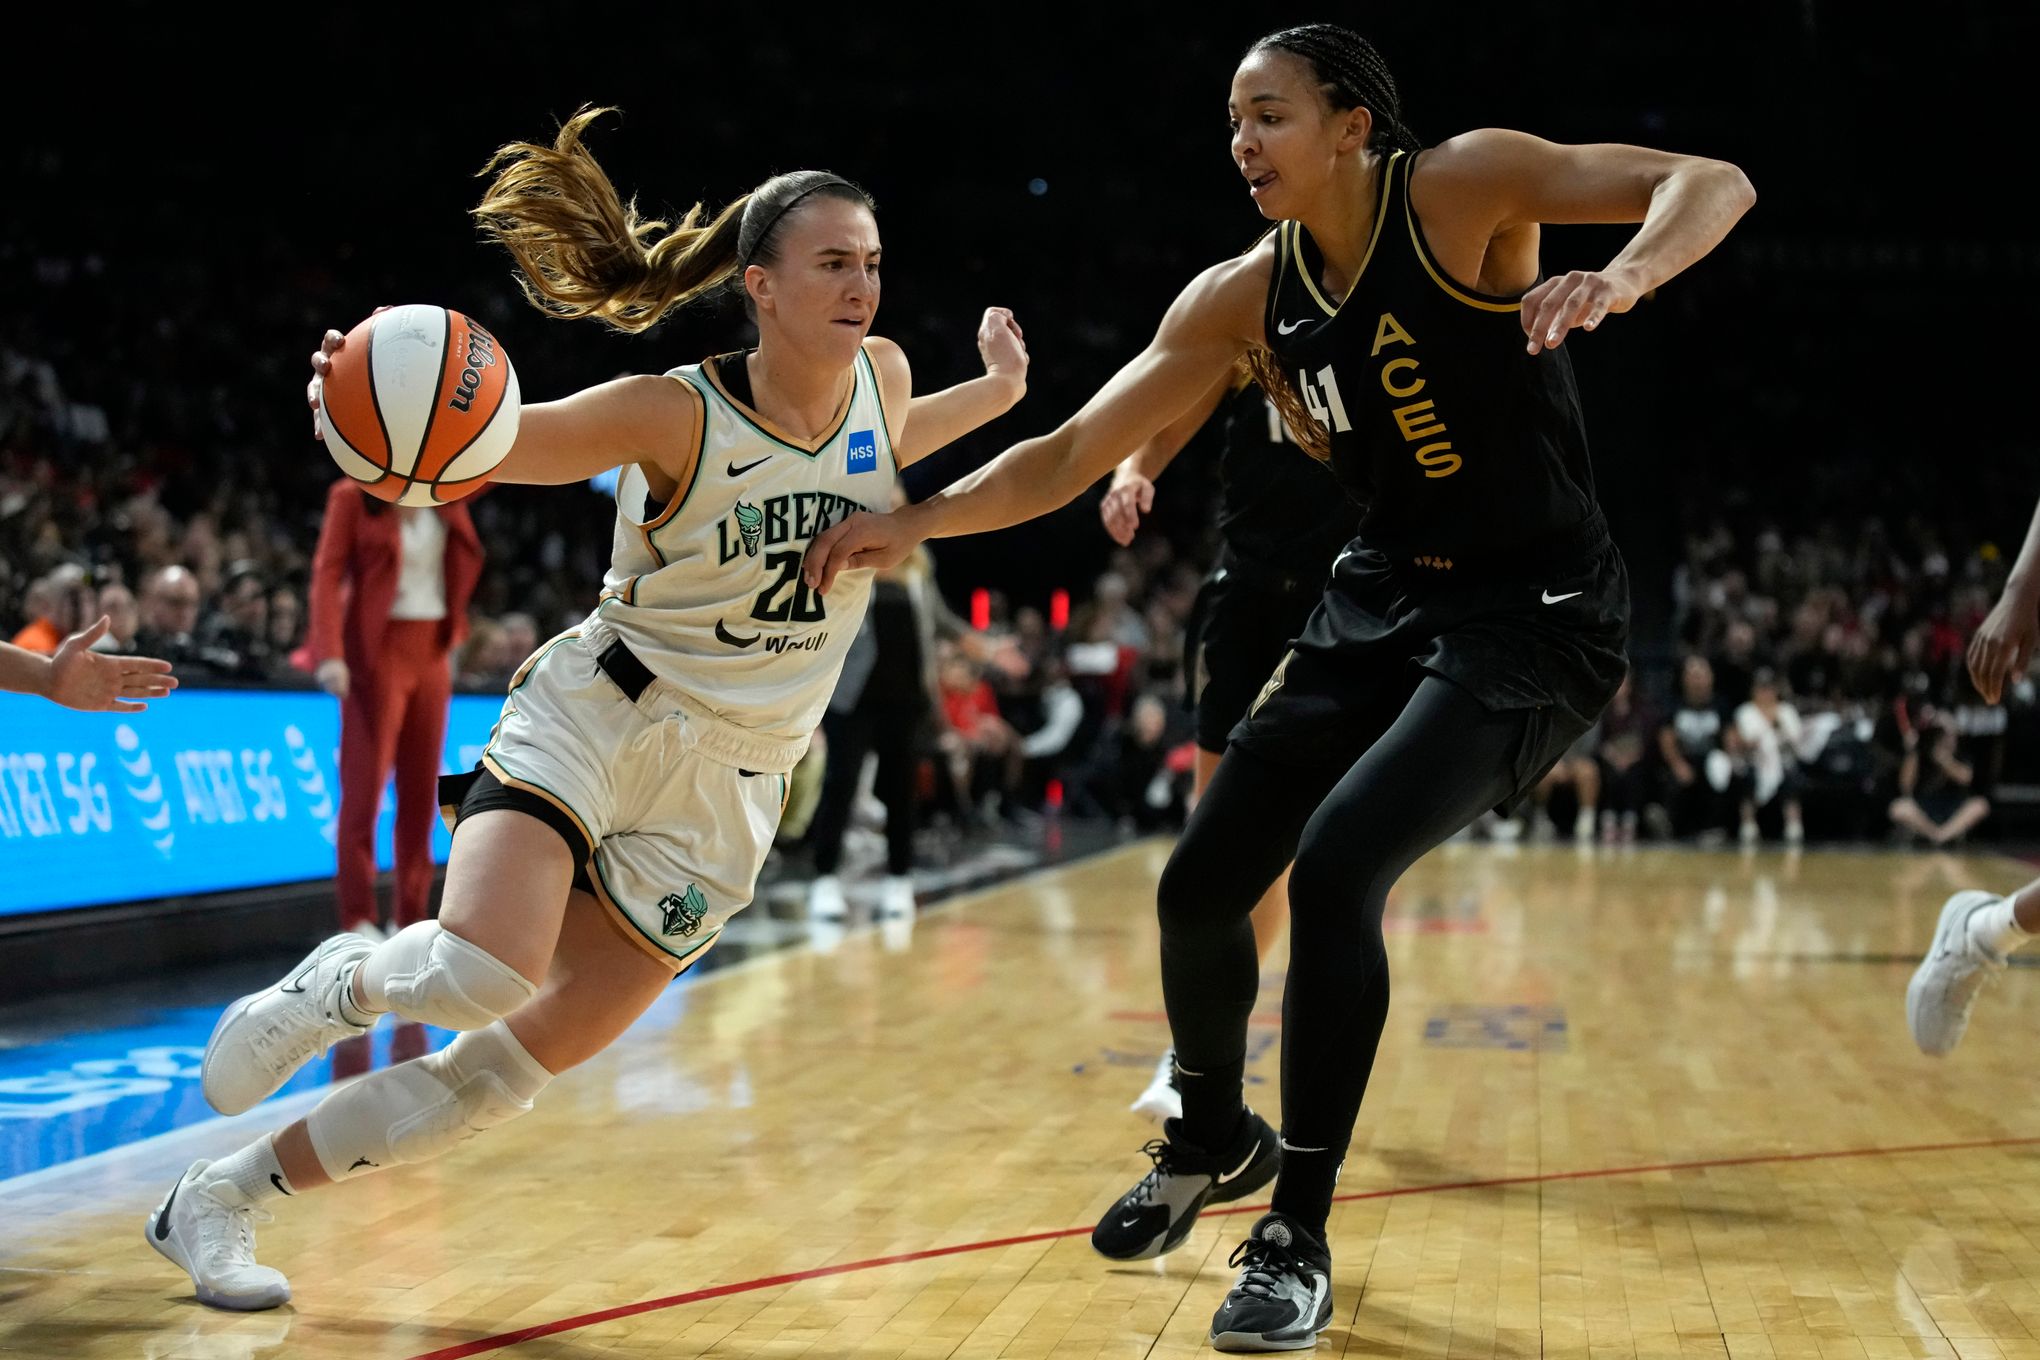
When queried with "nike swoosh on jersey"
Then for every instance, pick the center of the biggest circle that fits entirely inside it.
(723, 634)
(1285, 327)
(1550, 598)
(736, 471)
(1234, 1173)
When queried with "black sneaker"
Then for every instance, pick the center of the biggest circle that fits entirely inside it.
(1283, 1297)
(1156, 1215)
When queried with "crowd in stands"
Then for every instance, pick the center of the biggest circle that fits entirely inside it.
(1813, 685)
(1816, 688)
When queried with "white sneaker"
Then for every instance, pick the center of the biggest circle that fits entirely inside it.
(1945, 986)
(370, 931)
(266, 1036)
(207, 1227)
(1583, 827)
(1748, 834)
(1161, 1100)
(825, 900)
(896, 898)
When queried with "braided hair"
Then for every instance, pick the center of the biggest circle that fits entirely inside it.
(1352, 75)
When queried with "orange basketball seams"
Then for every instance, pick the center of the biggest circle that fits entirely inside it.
(421, 405)
(348, 398)
(473, 380)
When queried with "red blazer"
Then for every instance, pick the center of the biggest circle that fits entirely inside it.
(355, 570)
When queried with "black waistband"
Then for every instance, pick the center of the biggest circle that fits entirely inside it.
(620, 664)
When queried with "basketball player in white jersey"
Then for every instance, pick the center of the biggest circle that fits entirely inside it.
(630, 791)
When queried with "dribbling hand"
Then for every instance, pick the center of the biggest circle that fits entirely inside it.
(2002, 646)
(1130, 497)
(322, 364)
(1580, 299)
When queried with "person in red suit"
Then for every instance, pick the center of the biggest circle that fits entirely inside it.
(390, 592)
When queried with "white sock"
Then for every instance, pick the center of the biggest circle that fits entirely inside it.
(1992, 929)
(254, 1171)
(350, 1010)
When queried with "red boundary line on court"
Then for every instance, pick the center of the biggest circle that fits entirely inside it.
(508, 1339)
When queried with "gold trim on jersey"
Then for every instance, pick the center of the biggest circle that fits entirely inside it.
(1380, 217)
(807, 448)
(1486, 302)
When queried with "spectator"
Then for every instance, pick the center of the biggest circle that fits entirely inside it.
(1938, 795)
(1769, 735)
(1624, 730)
(57, 606)
(390, 591)
(124, 619)
(239, 625)
(983, 754)
(169, 616)
(1736, 664)
(1697, 768)
(1133, 782)
(286, 623)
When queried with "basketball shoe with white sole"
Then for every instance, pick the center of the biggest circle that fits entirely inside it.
(1954, 973)
(1283, 1297)
(208, 1228)
(1157, 1214)
(266, 1036)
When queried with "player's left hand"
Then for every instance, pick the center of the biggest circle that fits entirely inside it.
(96, 682)
(1002, 346)
(863, 540)
(1580, 299)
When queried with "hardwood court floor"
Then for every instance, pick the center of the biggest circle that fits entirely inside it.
(1629, 1103)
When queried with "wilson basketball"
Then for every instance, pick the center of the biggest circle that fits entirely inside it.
(421, 405)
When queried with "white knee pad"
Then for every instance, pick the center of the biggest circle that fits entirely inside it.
(417, 1110)
(425, 973)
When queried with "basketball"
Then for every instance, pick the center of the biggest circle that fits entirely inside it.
(421, 405)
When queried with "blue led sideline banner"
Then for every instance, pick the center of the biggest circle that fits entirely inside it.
(205, 791)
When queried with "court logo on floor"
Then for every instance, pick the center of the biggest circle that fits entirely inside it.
(1538, 1028)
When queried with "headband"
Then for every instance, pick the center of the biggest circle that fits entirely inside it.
(786, 208)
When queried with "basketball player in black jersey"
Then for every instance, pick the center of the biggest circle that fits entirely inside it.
(1281, 521)
(1471, 631)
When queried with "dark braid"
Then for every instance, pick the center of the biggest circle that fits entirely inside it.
(1354, 76)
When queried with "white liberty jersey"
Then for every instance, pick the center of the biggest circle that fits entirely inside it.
(708, 592)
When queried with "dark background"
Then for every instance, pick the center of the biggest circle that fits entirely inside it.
(192, 200)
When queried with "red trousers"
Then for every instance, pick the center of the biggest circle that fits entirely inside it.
(394, 714)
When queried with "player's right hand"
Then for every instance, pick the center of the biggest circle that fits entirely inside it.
(1131, 496)
(322, 364)
(333, 677)
(2003, 646)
